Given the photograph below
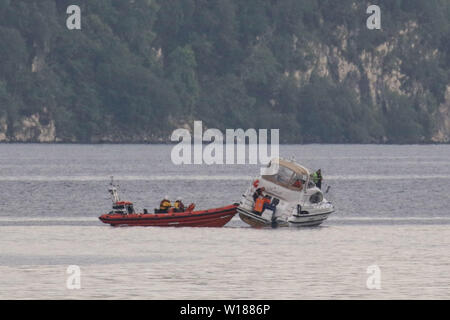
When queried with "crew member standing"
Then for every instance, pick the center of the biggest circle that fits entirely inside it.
(317, 178)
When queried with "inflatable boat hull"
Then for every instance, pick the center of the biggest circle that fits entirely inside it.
(206, 218)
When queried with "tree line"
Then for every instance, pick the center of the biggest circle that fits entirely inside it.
(139, 69)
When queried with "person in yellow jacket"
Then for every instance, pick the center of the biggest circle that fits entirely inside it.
(179, 205)
(317, 178)
(165, 204)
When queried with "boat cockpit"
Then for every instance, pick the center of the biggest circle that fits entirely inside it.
(291, 176)
(123, 207)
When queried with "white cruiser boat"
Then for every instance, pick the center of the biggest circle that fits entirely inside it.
(298, 202)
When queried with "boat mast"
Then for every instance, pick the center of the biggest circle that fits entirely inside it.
(113, 191)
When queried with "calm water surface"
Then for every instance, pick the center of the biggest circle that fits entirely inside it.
(392, 211)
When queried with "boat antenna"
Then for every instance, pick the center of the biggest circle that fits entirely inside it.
(113, 191)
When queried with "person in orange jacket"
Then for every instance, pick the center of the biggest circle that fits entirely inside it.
(261, 204)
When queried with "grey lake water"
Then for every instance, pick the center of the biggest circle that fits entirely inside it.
(392, 214)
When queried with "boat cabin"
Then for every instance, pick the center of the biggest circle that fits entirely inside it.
(123, 207)
(290, 175)
(118, 206)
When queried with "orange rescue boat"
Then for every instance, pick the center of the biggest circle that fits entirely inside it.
(123, 214)
(217, 217)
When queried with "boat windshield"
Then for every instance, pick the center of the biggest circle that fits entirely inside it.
(284, 175)
(288, 178)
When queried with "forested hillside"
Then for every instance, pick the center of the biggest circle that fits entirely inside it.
(138, 69)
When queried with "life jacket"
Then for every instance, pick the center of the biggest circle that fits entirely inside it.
(298, 184)
(315, 177)
(179, 205)
(165, 204)
(259, 205)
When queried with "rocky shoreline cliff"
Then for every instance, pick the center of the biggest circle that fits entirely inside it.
(137, 71)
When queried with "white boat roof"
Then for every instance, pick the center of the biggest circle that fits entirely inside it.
(293, 166)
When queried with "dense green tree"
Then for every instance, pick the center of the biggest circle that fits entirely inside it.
(140, 68)
(181, 71)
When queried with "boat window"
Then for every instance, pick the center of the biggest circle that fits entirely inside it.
(311, 185)
(288, 178)
(298, 181)
(284, 175)
(130, 209)
(282, 178)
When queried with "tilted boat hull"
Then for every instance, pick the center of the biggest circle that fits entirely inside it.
(206, 218)
(304, 220)
(308, 220)
(285, 196)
